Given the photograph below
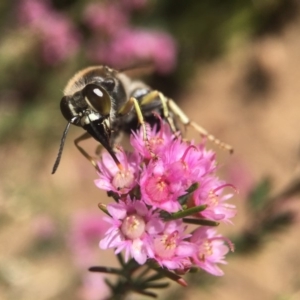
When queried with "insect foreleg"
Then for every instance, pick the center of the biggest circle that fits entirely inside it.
(83, 137)
(99, 149)
(133, 102)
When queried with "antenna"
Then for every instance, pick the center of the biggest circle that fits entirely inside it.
(61, 147)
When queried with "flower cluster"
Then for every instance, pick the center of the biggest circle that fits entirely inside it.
(106, 31)
(55, 32)
(114, 41)
(162, 186)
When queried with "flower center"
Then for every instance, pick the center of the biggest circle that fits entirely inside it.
(205, 250)
(123, 179)
(133, 226)
(157, 189)
(213, 199)
(165, 245)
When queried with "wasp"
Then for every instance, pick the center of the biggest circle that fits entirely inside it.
(105, 102)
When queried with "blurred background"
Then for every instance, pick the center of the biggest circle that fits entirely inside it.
(233, 66)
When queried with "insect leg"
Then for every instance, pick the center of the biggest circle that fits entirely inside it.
(133, 102)
(83, 137)
(153, 95)
(187, 122)
(99, 149)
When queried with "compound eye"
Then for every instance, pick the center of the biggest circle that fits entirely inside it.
(69, 115)
(97, 98)
(65, 109)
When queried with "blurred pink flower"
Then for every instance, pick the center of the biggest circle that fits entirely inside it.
(86, 230)
(106, 17)
(59, 39)
(55, 32)
(43, 227)
(93, 287)
(131, 46)
(31, 12)
(239, 174)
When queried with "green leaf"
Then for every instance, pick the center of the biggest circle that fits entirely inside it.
(168, 274)
(107, 270)
(161, 285)
(121, 260)
(203, 222)
(183, 213)
(110, 285)
(143, 273)
(279, 222)
(259, 196)
(103, 207)
(155, 277)
(183, 199)
(192, 188)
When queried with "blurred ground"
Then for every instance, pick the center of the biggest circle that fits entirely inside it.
(250, 99)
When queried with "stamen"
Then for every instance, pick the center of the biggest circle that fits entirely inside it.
(223, 186)
(187, 150)
(161, 123)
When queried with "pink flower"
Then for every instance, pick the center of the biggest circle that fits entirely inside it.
(107, 18)
(56, 34)
(171, 249)
(188, 163)
(158, 187)
(239, 174)
(158, 140)
(178, 166)
(210, 250)
(132, 225)
(59, 39)
(111, 178)
(86, 230)
(210, 194)
(93, 287)
(130, 46)
(30, 12)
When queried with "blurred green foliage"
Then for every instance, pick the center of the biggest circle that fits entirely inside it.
(259, 195)
(206, 29)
